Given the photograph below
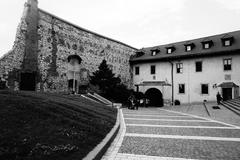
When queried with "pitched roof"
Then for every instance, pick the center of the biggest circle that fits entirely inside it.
(180, 53)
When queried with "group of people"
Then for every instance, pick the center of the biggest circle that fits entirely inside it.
(134, 103)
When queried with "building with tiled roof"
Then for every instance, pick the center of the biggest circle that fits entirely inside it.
(189, 71)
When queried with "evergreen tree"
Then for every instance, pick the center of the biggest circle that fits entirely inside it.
(105, 79)
(110, 86)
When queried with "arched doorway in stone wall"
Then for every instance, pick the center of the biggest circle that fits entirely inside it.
(155, 97)
(73, 72)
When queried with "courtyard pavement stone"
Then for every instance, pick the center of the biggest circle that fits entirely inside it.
(210, 132)
(152, 133)
(173, 123)
(194, 149)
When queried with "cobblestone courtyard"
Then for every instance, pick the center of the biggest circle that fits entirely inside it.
(154, 133)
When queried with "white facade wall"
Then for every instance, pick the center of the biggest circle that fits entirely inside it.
(163, 73)
(212, 74)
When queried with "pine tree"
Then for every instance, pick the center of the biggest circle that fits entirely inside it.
(105, 79)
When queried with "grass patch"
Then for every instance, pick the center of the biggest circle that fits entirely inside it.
(51, 126)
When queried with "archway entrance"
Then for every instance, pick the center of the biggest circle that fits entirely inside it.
(155, 97)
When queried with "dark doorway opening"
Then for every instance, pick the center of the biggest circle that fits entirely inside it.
(226, 93)
(155, 97)
(71, 85)
(28, 82)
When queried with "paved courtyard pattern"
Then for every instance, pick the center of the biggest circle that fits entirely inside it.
(159, 134)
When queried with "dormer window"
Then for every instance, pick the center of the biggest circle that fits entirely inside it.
(227, 40)
(170, 50)
(207, 44)
(139, 53)
(189, 47)
(155, 52)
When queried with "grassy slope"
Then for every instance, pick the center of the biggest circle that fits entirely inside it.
(49, 126)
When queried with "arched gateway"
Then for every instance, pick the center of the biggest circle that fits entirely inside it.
(155, 97)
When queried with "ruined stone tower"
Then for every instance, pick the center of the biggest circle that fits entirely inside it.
(40, 59)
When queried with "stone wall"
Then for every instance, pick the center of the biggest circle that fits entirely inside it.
(11, 62)
(58, 39)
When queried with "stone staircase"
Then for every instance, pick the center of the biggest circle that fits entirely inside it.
(233, 105)
(99, 99)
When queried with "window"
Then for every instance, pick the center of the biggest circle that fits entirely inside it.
(207, 44)
(204, 88)
(227, 64)
(198, 66)
(179, 67)
(227, 43)
(181, 88)
(154, 53)
(153, 69)
(188, 48)
(169, 50)
(136, 70)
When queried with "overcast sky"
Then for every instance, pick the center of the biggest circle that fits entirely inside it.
(139, 23)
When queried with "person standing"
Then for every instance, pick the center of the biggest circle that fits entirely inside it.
(131, 100)
(219, 98)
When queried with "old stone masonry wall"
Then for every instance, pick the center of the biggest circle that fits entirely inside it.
(11, 62)
(57, 39)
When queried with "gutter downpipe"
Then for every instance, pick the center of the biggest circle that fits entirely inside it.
(172, 82)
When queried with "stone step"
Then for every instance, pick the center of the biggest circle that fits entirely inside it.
(234, 103)
(232, 108)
